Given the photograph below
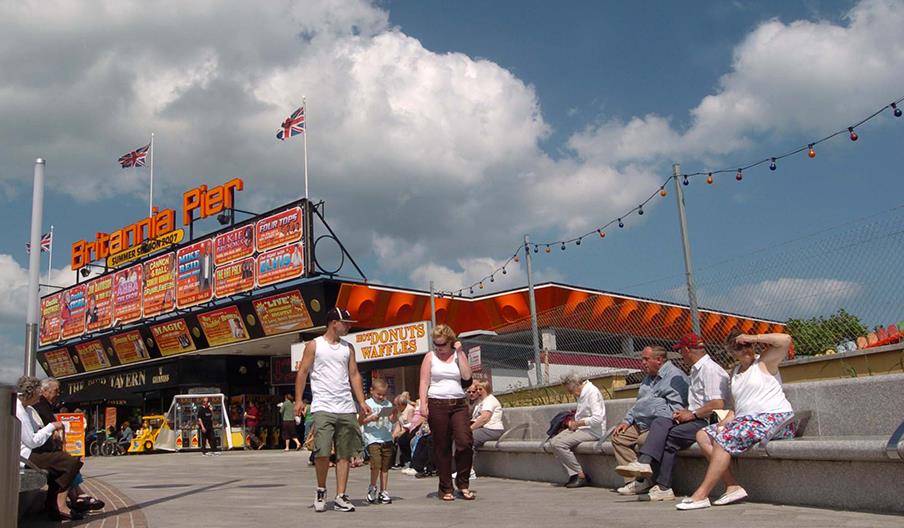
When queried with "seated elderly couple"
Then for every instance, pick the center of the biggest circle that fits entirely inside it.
(670, 414)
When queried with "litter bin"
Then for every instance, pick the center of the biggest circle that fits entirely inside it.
(10, 438)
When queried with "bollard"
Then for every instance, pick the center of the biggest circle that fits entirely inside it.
(10, 439)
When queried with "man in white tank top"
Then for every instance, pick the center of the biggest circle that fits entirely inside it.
(330, 360)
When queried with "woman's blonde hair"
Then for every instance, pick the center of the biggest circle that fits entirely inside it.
(444, 331)
(485, 385)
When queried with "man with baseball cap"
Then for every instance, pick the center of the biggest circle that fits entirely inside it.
(330, 360)
(708, 392)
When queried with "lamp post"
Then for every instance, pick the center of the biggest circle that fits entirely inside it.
(34, 270)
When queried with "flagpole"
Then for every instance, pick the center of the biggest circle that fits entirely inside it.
(50, 256)
(151, 198)
(304, 104)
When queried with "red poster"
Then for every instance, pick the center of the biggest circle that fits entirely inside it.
(72, 314)
(160, 285)
(59, 363)
(129, 347)
(50, 319)
(279, 229)
(281, 313)
(100, 303)
(234, 245)
(127, 286)
(223, 326)
(194, 274)
(280, 264)
(92, 355)
(173, 337)
(234, 278)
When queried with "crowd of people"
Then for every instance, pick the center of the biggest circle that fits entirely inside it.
(439, 433)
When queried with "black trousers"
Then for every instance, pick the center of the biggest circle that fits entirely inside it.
(664, 441)
(209, 437)
(422, 458)
(404, 448)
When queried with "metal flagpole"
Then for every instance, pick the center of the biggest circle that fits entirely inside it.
(432, 305)
(50, 256)
(34, 269)
(304, 105)
(534, 331)
(151, 197)
(688, 266)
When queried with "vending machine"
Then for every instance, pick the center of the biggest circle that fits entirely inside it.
(183, 414)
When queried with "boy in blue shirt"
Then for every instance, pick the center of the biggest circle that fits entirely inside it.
(377, 429)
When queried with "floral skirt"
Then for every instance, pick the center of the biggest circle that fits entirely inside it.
(744, 432)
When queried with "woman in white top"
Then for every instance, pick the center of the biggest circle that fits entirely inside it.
(587, 426)
(486, 418)
(402, 431)
(61, 467)
(443, 373)
(761, 412)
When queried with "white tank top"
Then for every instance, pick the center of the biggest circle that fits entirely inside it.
(330, 386)
(755, 392)
(445, 379)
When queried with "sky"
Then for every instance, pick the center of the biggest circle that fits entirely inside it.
(440, 133)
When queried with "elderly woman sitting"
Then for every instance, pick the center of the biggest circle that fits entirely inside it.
(486, 416)
(761, 412)
(587, 426)
(61, 467)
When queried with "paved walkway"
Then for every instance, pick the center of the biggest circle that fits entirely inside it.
(274, 488)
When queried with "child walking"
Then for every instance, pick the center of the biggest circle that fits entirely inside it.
(378, 439)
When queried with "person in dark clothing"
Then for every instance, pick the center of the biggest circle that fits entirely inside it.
(50, 391)
(205, 422)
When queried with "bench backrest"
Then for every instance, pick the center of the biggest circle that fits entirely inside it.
(863, 406)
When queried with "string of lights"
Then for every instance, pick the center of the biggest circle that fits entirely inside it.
(739, 172)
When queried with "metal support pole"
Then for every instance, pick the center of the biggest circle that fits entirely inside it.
(534, 330)
(688, 266)
(34, 270)
(432, 305)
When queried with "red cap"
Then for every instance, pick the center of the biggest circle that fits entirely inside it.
(689, 340)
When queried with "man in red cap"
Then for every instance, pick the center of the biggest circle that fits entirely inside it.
(708, 392)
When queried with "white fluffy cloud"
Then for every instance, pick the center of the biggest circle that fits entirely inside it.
(428, 162)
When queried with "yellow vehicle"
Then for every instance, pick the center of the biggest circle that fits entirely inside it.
(145, 440)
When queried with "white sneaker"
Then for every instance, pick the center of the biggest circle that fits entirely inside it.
(473, 475)
(635, 487)
(688, 504)
(372, 495)
(343, 503)
(635, 469)
(658, 493)
(385, 498)
(320, 500)
(729, 498)
(409, 471)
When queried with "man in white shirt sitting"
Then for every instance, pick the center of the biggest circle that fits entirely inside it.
(708, 392)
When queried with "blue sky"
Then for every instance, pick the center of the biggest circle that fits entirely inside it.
(441, 132)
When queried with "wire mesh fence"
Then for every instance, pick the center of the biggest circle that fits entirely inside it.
(837, 290)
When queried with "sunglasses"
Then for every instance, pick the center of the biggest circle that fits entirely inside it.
(439, 344)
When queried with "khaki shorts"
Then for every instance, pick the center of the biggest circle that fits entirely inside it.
(381, 455)
(339, 430)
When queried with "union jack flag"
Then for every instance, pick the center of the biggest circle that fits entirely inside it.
(292, 126)
(46, 241)
(135, 158)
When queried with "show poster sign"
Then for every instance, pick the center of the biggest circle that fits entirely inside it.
(234, 245)
(74, 428)
(279, 229)
(403, 340)
(50, 319)
(173, 337)
(234, 278)
(282, 313)
(223, 326)
(100, 303)
(92, 355)
(73, 309)
(160, 285)
(279, 265)
(127, 294)
(60, 363)
(129, 347)
(194, 274)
